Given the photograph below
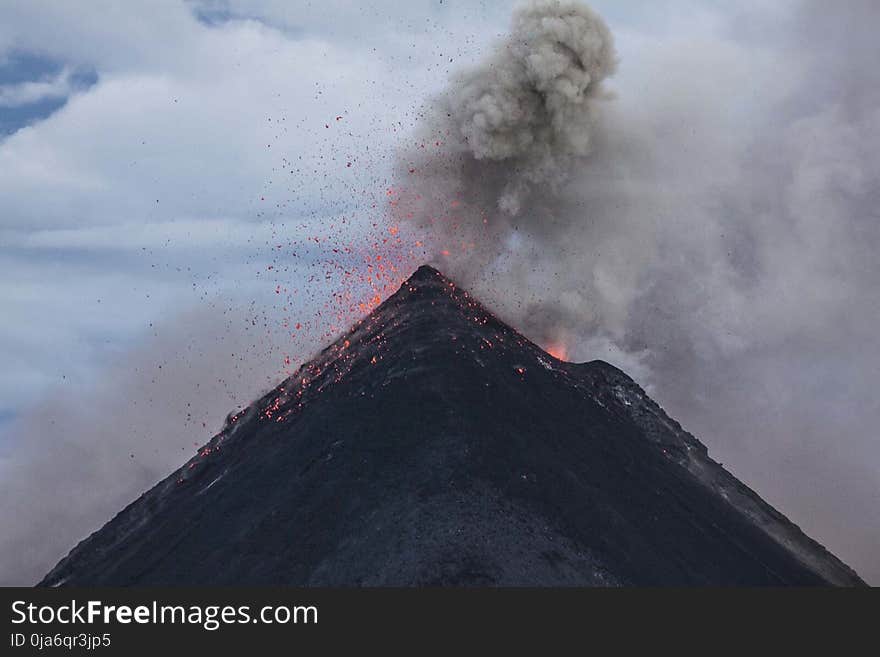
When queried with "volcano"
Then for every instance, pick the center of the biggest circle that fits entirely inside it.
(433, 445)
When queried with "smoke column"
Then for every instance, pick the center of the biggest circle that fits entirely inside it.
(524, 116)
(495, 150)
(496, 179)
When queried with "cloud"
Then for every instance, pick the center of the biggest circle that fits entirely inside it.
(26, 93)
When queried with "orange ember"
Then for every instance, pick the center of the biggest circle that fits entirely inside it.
(558, 350)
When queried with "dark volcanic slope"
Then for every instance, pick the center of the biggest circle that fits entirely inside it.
(433, 445)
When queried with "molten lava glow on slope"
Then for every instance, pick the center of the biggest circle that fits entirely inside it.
(558, 350)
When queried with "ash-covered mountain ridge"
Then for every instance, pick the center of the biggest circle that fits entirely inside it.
(432, 444)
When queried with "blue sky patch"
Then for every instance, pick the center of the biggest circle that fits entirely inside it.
(22, 103)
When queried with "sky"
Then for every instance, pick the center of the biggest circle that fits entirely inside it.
(175, 177)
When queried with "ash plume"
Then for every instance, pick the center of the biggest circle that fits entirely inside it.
(512, 126)
(486, 181)
(529, 107)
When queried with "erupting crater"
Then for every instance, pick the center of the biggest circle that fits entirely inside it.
(432, 444)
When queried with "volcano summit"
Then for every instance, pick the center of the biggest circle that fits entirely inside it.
(434, 445)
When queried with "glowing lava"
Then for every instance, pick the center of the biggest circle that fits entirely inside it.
(559, 350)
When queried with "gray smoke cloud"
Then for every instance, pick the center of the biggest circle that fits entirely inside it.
(496, 176)
(515, 124)
(529, 106)
(711, 228)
